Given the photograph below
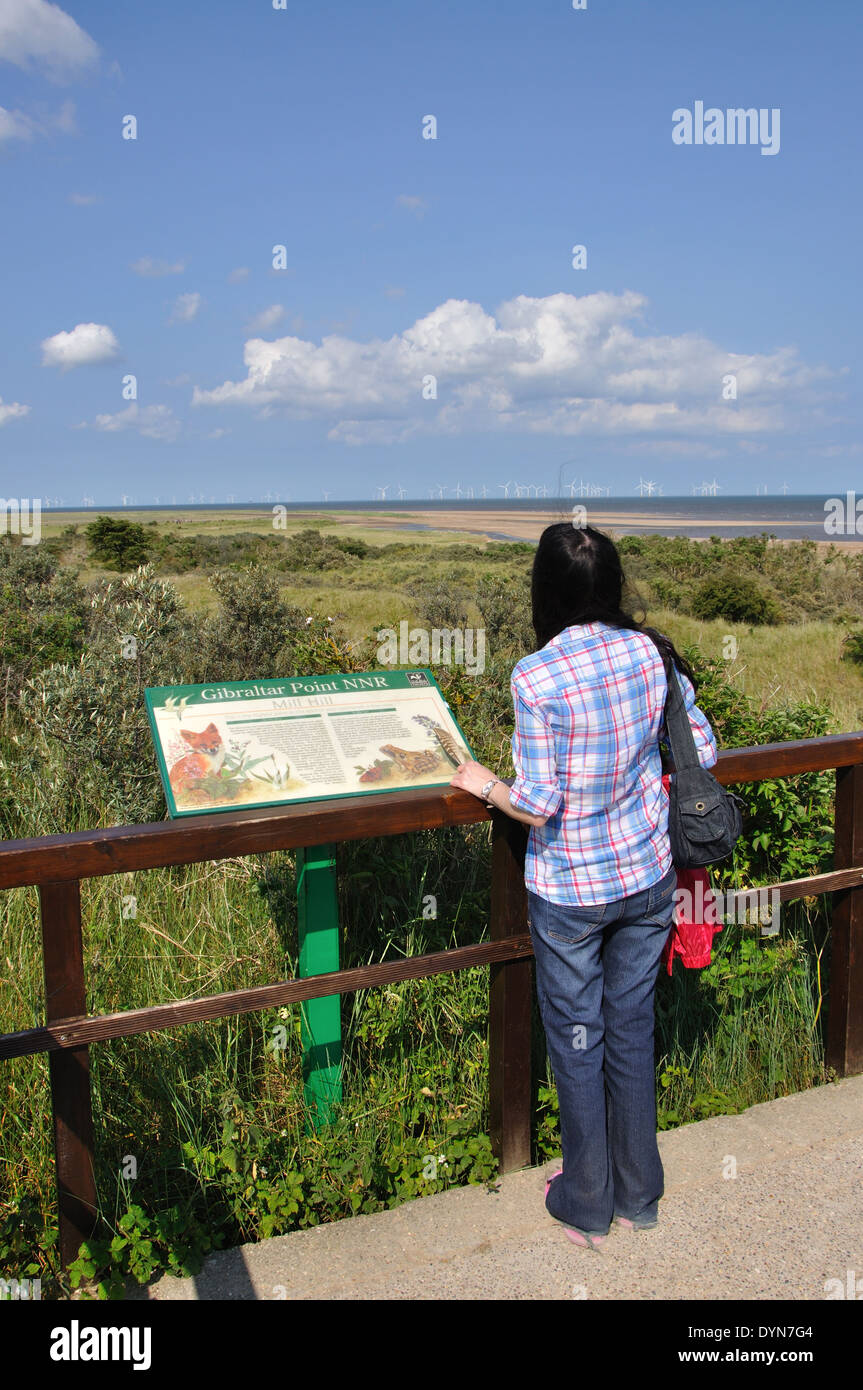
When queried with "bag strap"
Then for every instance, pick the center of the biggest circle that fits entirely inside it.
(677, 723)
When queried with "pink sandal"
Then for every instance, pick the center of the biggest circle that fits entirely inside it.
(575, 1235)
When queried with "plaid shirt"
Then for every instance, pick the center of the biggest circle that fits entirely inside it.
(589, 710)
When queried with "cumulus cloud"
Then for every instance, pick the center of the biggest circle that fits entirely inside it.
(561, 365)
(186, 307)
(154, 421)
(37, 35)
(12, 410)
(86, 345)
(266, 319)
(242, 272)
(84, 200)
(146, 265)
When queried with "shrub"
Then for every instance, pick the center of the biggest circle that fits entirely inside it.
(504, 604)
(42, 613)
(852, 648)
(737, 598)
(118, 544)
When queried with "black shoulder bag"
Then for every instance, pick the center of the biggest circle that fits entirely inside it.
(704, 820)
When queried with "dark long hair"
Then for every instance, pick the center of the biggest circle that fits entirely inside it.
(578, 578)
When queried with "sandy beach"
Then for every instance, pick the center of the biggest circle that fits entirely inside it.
(529, 525)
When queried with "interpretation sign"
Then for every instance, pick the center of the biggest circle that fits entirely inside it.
(302, 738)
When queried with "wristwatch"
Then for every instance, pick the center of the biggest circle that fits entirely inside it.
(484, 793)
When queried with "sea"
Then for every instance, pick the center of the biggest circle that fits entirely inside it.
(792, 517)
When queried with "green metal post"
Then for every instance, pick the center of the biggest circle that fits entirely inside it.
(318, 921)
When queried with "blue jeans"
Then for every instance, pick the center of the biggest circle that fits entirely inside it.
(596, 970)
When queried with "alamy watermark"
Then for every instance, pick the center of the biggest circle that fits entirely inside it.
(439, 646)
(734, 126)
(746, 905)
(20, 1290)
(844, 515)
(21, 517)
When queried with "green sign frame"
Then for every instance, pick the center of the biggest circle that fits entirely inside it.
(209, 775)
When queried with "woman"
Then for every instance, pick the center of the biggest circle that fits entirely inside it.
(589, 714)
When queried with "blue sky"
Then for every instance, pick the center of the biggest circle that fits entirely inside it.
(411, 258)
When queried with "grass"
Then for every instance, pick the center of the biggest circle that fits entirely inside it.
(213, 1113)
(780, 665)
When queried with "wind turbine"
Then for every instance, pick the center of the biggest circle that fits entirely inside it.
(484, 490)
(382, 492)
(441, 491)
(402, 493)
(326, 497)
(506, 487)
(642, 487)
(784, 489)
(458, 491)
(713, 488)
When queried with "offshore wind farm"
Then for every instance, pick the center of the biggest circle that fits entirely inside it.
(513, 518)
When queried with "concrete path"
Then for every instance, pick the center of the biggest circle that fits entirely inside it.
(790, 1222)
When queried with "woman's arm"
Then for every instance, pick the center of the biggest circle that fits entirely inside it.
(472, 777)
(536, 793)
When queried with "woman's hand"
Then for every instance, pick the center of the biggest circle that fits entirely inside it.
(471, 777)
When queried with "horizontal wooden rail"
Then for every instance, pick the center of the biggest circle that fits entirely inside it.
(80, 1030)
(75, 1032)
(57, 863)
(225, 835)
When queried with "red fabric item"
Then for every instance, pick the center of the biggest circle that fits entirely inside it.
(696, 920)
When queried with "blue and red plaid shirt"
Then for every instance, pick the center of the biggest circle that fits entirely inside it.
(589, 708)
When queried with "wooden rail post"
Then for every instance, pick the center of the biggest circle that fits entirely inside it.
(844, 1049)
(510, 1001)
(69, 1070)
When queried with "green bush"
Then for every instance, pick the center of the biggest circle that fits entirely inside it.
(737, 598)
(118, 544)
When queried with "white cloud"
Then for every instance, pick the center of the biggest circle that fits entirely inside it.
(84, 200)
(266, 319)
(36, 34)
(146, 265)
(186, 307)
(412, 203)
(18, 125)
(241, 273)
(154, 421)
(86, 345)
(394, 291)
(562, 365)
(12, 411)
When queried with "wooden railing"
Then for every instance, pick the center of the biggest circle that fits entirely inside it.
(57, 863)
